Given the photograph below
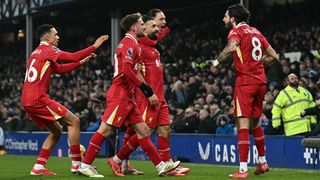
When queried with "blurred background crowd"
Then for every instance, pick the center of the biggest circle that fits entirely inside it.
(200, 101)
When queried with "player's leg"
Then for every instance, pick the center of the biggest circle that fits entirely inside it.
(257, 131)
(73, 125)
(146, 144)
(127, 135)
(93, 149)
(114, 116)
(50, 142)
(122, 157)
(46, 117)
(243, 107)
(163, 122)
(148, 115)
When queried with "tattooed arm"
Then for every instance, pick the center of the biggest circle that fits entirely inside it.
(227, 51)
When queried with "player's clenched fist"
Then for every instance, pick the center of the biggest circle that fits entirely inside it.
(153, 100)
(100, 40)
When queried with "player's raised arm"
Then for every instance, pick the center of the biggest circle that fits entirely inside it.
(65, 68)
(79, 55)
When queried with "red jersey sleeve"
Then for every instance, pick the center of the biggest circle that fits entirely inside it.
(64, 68)
(264, 42)
(163, 34)
(130, 53)
(234, 34)
(53, 53)
(76, 56)
(147, 41)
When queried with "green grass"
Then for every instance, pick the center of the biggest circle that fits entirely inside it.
(18, 167)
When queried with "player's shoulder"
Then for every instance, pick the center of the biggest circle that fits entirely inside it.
(233, 31)
(128, 43)
(130, 40)
(49, 49)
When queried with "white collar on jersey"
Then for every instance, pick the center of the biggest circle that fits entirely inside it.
(241, 24)
(131, 37)
(44, 43)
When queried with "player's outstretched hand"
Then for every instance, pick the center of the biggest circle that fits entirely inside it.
(100, 40)
(88, 58)
(153, 100)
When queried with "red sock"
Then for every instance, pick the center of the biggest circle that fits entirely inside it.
(128, 148)
(75, 152)
(94, 148)
(150, 150)
(164, 148)
(43, 157)
(243, 144)
(129, 133)
(259, 140)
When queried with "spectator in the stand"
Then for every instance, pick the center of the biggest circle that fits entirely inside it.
(223, 125)
(264, 121)
(209, 98)
(193, 87)
(186, 123)
(205, 124)
(288, 105)
(179, 94)
(214, 112)
(80, 102)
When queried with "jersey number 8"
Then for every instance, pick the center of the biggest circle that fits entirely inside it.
(256, 51)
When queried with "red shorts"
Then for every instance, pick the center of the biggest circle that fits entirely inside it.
(44, 115)
(156, 116)
(248, 100)
(121, 111)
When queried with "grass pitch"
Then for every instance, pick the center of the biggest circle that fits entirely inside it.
(18, 167)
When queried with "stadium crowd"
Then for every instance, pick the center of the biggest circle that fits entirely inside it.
(200, 101)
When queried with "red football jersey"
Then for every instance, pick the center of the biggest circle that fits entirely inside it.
(248, 57)
(151, 67)
(127, 51)
(38, 75)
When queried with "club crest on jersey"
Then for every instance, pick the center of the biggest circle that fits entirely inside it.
(129, 53)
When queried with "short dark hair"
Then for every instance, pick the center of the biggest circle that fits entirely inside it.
(146, 18)
(153, 12)
(239, 12)
(44, 29)
(129, 20)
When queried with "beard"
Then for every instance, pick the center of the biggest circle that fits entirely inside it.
(153, 35)
(294, 84)
(229, 26)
